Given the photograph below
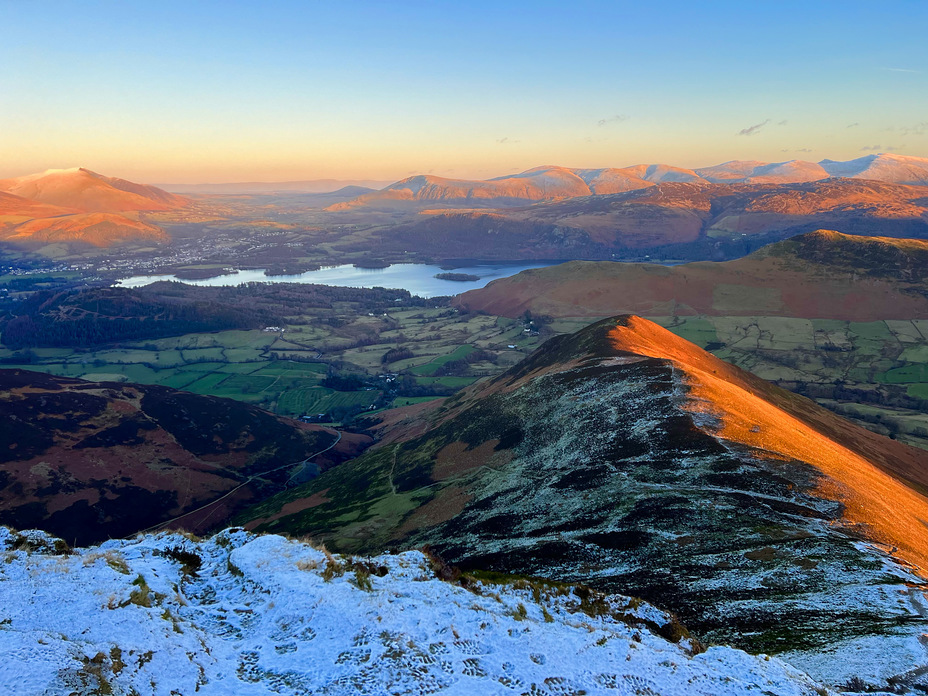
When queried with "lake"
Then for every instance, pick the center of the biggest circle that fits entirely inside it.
(417, 278)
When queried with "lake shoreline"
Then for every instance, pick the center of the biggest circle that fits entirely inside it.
(419, 279)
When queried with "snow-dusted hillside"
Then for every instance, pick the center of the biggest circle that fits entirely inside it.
(245, 614)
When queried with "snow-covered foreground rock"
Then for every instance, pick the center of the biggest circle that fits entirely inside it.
(245, 614)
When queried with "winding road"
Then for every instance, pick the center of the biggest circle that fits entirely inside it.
(242, 485)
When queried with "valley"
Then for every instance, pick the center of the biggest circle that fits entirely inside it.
(856, 353)
(117, 228)
(297, 349)
(463, 349)
(427, 421)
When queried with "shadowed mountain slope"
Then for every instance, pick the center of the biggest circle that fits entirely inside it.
(89, 461)
(626, 457)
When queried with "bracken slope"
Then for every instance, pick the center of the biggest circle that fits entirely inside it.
(90, 461)
(819, 275)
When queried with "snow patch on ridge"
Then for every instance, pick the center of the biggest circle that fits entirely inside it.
(245, 614)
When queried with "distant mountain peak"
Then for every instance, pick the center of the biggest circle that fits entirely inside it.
(555, 182)
(88, 191)
(80, 205)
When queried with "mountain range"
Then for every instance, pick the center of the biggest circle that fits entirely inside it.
(548, 212)
(558, 183)
(674, 221)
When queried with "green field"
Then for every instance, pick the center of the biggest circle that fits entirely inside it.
(295, 402)
(430, 367)
(699, 331)
(282, 372)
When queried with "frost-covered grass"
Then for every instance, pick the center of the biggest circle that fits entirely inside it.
(245, 614)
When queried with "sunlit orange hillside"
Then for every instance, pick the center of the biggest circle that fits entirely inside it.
(861, 470)
(91, 192)
(96, 229)
(818, 275)
(80, 206)
(16, 208)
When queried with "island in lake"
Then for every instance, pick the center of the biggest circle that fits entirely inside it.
(201, 273)
(460, 277)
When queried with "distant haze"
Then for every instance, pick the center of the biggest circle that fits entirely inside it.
(312, 186)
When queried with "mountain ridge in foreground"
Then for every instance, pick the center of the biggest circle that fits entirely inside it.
(630, 458)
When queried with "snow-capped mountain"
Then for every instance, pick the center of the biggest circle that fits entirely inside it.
(549, 183)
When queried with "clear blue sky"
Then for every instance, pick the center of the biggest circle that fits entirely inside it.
(231, 91)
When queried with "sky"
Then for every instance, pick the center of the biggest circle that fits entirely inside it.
(194, 92)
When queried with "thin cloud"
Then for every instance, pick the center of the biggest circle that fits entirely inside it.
(507, 141)
(618, 118)
(906, 70)
(852, 125)
(871, 148)
(751, 130)
(804, 149)
(917, 129)
(783, 122)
